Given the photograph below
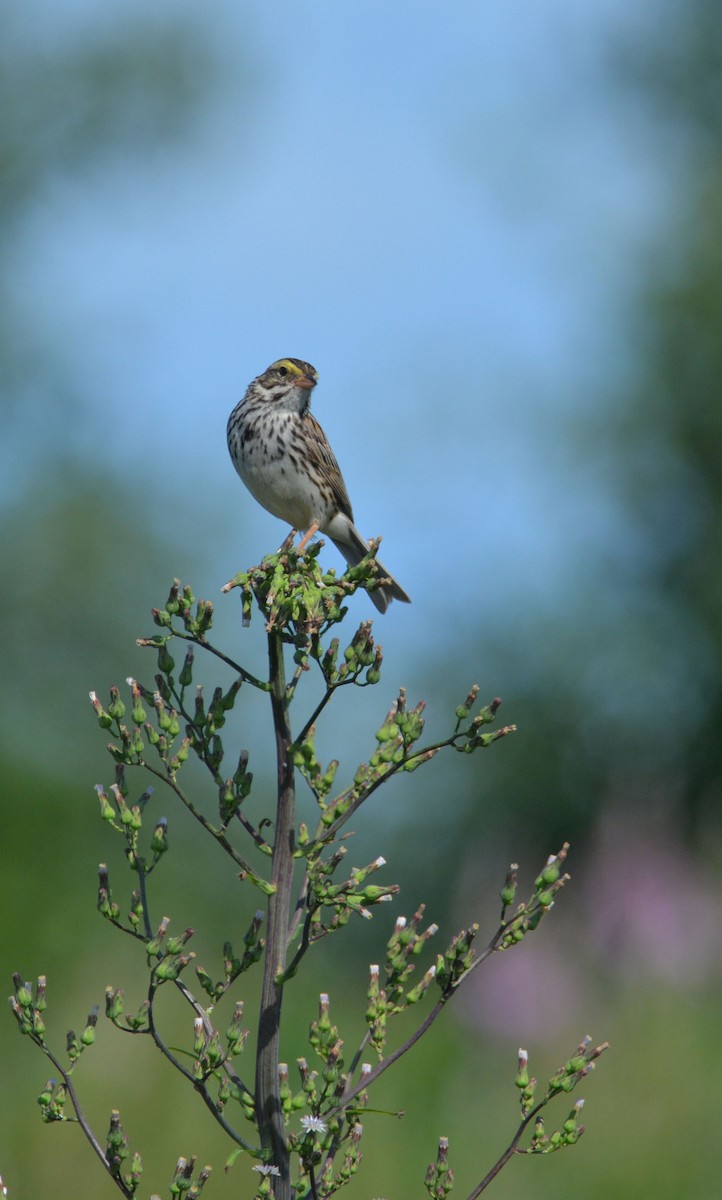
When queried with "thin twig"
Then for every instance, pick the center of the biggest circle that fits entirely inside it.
(418, 1033)
(247, 677)
(385, 1063)
(330, 830)
(299, 909)
(215, 774)
(217, 834)
(82, 1119)
(510, 1151)
(198, 1084)
(330, 689)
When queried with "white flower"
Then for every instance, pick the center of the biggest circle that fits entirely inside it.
(264, 1169)
(313, 1125)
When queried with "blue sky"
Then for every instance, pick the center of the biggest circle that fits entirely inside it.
(442, 208)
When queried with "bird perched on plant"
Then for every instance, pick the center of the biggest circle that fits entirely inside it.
(282, 455)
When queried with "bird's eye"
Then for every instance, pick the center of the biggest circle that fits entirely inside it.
(283, 370)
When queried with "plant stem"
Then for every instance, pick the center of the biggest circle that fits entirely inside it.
(268, 1105)
(510, 1151)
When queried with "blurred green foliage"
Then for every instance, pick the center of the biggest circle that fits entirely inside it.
(619, 707)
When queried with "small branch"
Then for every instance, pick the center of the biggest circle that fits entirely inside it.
(143, 889)
(305, 943)
(246, 676)
(215, 774)
(253, 833)
(225, 1126)
(217, 835)
(326, 833)
(299, 909)
(510, 1151)
(331, 689)
(357, 1056)
(82, 1120)
(389, 1061)
(418, 1033)
(198, 1084)
(291, 688)
(317, 712)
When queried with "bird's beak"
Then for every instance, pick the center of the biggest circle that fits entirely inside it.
(307, 383)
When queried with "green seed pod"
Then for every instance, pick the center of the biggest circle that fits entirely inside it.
(186, 675)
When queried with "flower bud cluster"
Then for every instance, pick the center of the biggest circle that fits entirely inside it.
(114, 1005)
(28, 1008)
(470, 738)
(527, 1086)
(319, 780)
(563, 1081)
(361, 663)
(331, 1179)
(232, 792)
(528, 915)
(403, 726)
(578, 1066)
(182, 1184)
(117, 1151)
(292, 590)
(393, 997)
(126, 819)
(360, 655)
(167, 698)
(169, 953)
(439, 1176)
(75, 1045)
(130, 746)
(353, 895)
(210, 1055)
(52, 1102)
(376, 1011)
(457, 959)
(203, 738)
(107, 906)
(179, 605)
(290, 1102)
(233, 966)
(405, 945)
(366, 573)
(231, 1088)
(324, 1039)
(568, 1135)
(293, 593)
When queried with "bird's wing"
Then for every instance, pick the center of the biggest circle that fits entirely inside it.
(322, 457)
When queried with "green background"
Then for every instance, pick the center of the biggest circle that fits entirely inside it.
(547, 476)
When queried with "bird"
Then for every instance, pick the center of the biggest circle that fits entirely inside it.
(284, 458)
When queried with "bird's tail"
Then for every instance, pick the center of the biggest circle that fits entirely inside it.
(353, 551)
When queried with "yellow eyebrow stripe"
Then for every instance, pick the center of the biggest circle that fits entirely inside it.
(290, 366)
